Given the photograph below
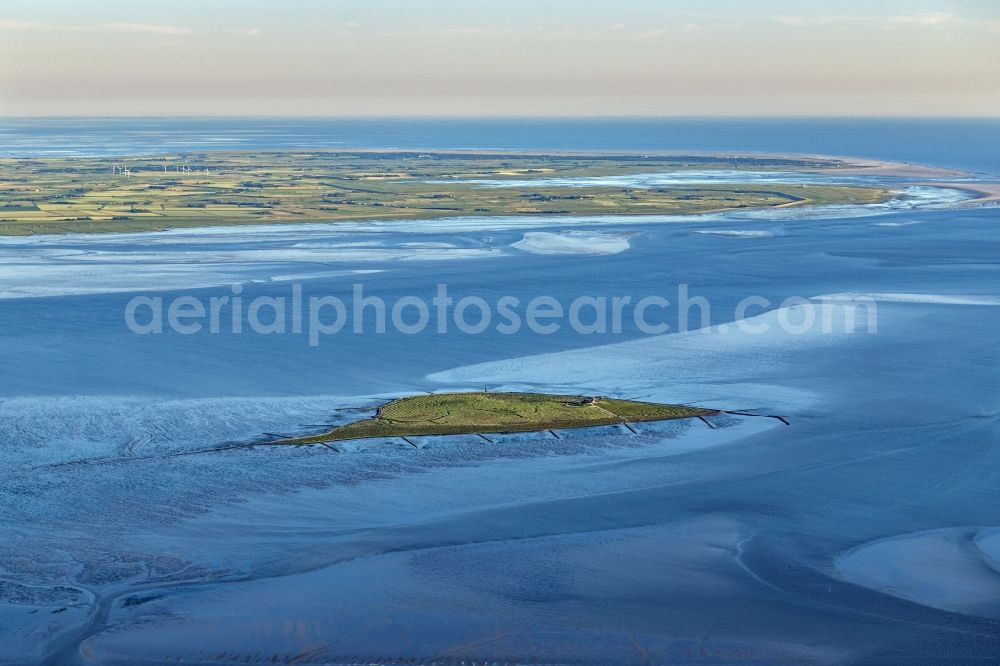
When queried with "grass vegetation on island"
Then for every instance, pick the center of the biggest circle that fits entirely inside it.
(95, 195)
(482, 412)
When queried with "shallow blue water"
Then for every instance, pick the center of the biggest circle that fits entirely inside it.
(677, 545)
(972, 144)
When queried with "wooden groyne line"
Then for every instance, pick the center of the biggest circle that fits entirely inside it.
(329, 445)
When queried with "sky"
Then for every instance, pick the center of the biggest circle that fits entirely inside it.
(500, 58)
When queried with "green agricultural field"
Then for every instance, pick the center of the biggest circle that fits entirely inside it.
(91, 195)
(472, 413)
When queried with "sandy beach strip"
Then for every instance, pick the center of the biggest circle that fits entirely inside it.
(854, 166)
(986, 193)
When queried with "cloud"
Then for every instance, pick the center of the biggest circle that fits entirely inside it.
(477, 30)
(115, 26)
(124, 27)
(940, 19)
(141, 27)
(20, 25)
(924, 20)
(805, 21)
(701, 28)
(931, 19)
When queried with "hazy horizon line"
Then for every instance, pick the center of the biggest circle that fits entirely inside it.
(498, 117)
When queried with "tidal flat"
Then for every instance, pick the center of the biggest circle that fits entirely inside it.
(147, 521)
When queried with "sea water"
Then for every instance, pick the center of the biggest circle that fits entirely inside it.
(862, 531)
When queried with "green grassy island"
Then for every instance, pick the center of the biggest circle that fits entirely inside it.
(481, 412)
(130, 194)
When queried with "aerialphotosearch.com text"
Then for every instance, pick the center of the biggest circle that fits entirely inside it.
(321, 316)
